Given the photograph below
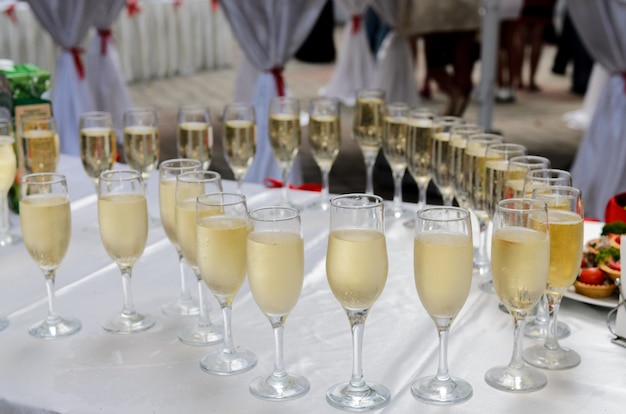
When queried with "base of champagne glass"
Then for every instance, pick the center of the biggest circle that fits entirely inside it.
(541, 357)
(222, 363)
(524, 379)
(275, 388)
(537, 329)
(487, 286)
(128, 323)
(10, 239)
(430, 390)
(55, 328)
(199, 335)
(4, 322)
(181, 307)
(370, 397)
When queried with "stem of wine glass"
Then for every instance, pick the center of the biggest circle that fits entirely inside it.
(483, 225)
(442, 368)
(52, 317)
(5, 225)
(129, 307)
(370, 160)
(398, 174)
(185, 296)
(517, 360)
(447, 197)
(422, 187)
(229, 347)
(203, 317)
(325, 185)
(279, 374)
(357, 324)
(239, 179)
(285, 189)
(542, 310)
(552, 337)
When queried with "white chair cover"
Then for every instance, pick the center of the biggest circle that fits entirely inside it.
(68, 22)
(581, 118)
(395, 67)
(269, 32)
(599, 169)
(104, 70)
(355, 66)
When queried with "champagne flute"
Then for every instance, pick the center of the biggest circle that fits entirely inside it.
(239, 139)
(189, 186)
(194, 137)
(222, 226)
(443, 286)
(520, 254)
(565, 214)
(518, 167)
(8, 168)
(276, 274)
(46, 228)
(545, 177)
(40, 144)
(394, 148)
(442, 152)
(142, 145)
(122, 210)
(285, 136)
(184, 304)
(98, 147)
(367, 129)
(458, 142)
(356, 267)
(419, 150)
(325, 140)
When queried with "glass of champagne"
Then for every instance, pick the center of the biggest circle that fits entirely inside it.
(123, 223)
(520, 254)
(184, 304)
(222, 226)
(285, 136)
(142, 145)
(545, 177)
(98, 147)
(419, 150)
(8, 168)
(443, 286)
(458, 142)
(325, 140)
(367, 129)
(356, 268)
(442, 173)
(46, 223)
(40, 144)
(518, 167)
(276, 274)
(565, 214)
(239, 139)
(194, 137)
(189, 186)
(395, 130)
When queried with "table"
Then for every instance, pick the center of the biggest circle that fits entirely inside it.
(152, 372)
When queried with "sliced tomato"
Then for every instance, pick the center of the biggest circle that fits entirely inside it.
(617, 238)
(615, 265)
(591, 276)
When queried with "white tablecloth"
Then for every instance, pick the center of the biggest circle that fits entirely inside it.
(152, 372)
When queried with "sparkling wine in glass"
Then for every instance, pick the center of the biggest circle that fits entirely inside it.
(443, 286)
(356, 268)
(395, 131)
(565, 214)
(442, 153)
(222, 225)
(184, 304)
(46, 223)
(419, 150)
(518, 167)
(520, 257)
(545, 177)
(239, 139)
(285, 136)
(194, 136)
(276, 274)
(367, 129)
(123, 223)
(458, 142)
(98, 147)
(8, 168)
(325, 141)
(39, 144)
(189, 186)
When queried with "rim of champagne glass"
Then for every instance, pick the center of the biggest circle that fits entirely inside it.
(43, 178)
(141, 110)
(550, 173)
(199, 176)
(486, 138)
(375, 201)
(462, 129)
(224, 199)
(397, 110)
(424, 213)
(38, 120)
(521, 204)
(450, 119)
(180, 164)
(256, 214)
(325, 99)
(566, 191)
(120, 175)
(96, 115)
(370, 93)
(506, 148)
(528, 160)
(194, 107)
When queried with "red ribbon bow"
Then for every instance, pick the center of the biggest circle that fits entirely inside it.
(356, 23)
(277, 73)
(273, 183)
(132, 7)
(76, 51)
(214, 5)
(10, 12)
(105, 37)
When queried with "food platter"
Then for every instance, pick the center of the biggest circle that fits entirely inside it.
(609, 302)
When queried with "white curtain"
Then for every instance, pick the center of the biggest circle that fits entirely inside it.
(355, 65)
(581, 118)
(599, 169)
(395, 66)
(269, 33)
(68, 22)
(105, 75)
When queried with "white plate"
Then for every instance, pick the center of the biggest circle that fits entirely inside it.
(609, 302)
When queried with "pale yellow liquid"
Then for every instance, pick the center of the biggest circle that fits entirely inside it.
(142, 148)
(356, 266)
(222, 243)
(239, 145)
(515, 182)
(186, 230)
(394, 142)
(98, 150)
(495, 175)
(566, 248)
(520, 259)
(457, 152)
(325, 139)
(442, 172)
(275, 270)
(195, 141)
(8, 164)
(40, 149)
(167, 205)
(442, 264)
(420, 149)
(367, 126)
(123, 220)
(46, 227)
(474, 176)
(285, 136)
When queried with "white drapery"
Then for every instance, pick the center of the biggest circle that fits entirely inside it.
(355, 66)
(269, 33)
(68, 22)
(602, 28)
(581, 118)
(105, 75)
